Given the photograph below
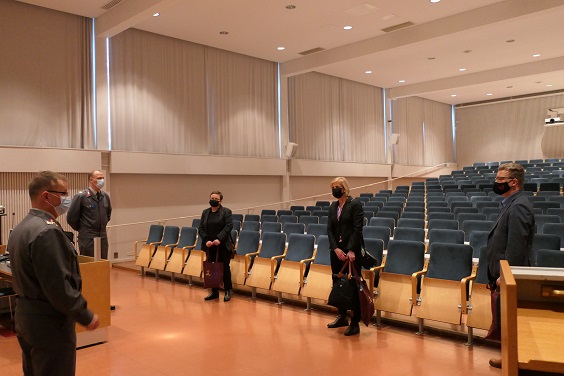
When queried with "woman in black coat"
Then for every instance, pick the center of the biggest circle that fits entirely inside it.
(215, 232)
(344, 228)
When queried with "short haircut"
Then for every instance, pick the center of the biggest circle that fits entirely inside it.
(44, 181)
(93, 172)
(341, 180)
(515, 171)
(217, 193)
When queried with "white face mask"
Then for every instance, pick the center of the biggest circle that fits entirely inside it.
(63, 207)
(100, 183)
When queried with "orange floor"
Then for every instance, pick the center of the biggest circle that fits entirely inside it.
(160, 328)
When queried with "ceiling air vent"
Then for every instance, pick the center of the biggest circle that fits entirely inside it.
(312, 51)
(111, 4)
(398, 27)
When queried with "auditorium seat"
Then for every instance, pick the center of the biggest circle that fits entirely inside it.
(555, 229)
(268, 218)
(237, 217)
(295, 264)
(252, 217)
(299, 213)
(398, 286)
(445, 236)
(542, 219)
(271, 227)
(316, 230)
(250, 226)
(478, 304)
(282, 212)
(267, 212)
(413, 215)
(412, 223)
(178, 255)
(545, 205)
(161, 253)
(307, 219)
(450, 266)
(470, 226)
(143, 256)
(549, 258)
(247, 243)
(408, 233)
(377, 232)
(286, 218)
(477, 240)
(295, 208)
(447, 216)
(385, 222)
(293, 228)
(267, 260)
(442, 224)
(545, 241)
(319, 279)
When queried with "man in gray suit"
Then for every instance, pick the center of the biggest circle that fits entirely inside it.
(47, 280)
(511, 237)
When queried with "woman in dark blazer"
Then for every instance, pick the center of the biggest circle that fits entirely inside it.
(215, 231)
(344, 228)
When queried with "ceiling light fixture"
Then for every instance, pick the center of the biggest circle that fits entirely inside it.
(549, 85)
(290, 7)
(453, 95)
(368, 72)
(347, 27)
(536, 55)
(435, 1)
(156, 14)
(280, 48)
(461, 69)
(489, 94)
(224, 32)
(401, 81)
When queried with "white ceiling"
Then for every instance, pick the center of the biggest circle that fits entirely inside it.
(427, 56)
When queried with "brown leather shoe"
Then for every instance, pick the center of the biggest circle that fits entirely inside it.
(495, 362)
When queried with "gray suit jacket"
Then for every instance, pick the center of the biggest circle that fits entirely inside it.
(511, 237)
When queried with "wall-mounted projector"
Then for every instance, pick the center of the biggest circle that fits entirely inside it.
(553, 120)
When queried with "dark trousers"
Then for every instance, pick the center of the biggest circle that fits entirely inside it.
(336, 266)
(48, 344)
(86, 247)
(224, 257)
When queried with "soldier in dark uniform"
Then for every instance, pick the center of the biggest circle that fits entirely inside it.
(89, 214)
(47, 280)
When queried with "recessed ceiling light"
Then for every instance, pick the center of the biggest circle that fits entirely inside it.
(347, 27)
(156, 14)
(224, 32)
(453, 95)
(549, 85)
(368, 72)
(401, 81)
(280, 48)
(462, 69)
(290, 6)
(489, 94)
(536, 55)
(435, 1)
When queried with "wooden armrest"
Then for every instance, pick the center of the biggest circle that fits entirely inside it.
(464, 291)
(252, 254)
(135, 246)
(302, 270)
(414, 285)
(186, 249)
(155, 243)
(278, 257)
(374, 269)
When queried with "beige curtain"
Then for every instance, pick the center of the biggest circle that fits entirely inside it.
(335, 119)
(173, 96)
(425, 129)
(45, 77)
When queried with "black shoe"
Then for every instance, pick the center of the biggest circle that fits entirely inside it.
(353, 329)
(227, 296)
(212, 295)
(339, 322)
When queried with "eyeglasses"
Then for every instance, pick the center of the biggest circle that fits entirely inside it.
(63, 194)
(503, 179)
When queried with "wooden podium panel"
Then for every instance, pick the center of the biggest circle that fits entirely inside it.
(96, 291)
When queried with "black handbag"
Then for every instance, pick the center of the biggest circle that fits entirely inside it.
(368, 261)
(344, 291)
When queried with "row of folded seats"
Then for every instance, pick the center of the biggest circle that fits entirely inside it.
(443, 283)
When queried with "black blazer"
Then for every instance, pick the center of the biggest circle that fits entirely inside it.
(348, 227)
(224, 236)
(511, 237)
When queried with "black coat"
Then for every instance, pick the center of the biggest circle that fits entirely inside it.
(225, 234)
(348, 227)
(511, 237)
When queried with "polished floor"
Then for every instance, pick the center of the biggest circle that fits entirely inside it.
(161, 328)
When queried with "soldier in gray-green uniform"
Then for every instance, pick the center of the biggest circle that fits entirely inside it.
(47, 279)
(89, 214)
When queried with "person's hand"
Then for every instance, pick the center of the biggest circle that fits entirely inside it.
(209, 244)
(216, 242)
(340, 254)
(94, 323)
(351, 256)
(498, 281)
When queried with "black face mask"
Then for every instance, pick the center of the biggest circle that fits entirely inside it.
(214, 203)
(501, 188)
(337, 192)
